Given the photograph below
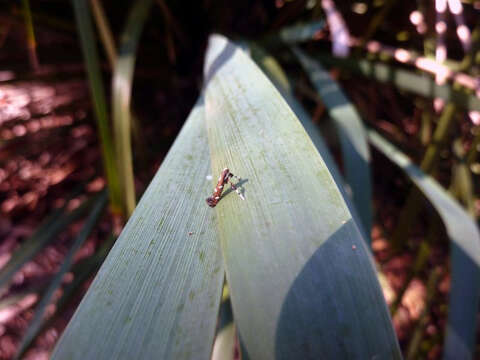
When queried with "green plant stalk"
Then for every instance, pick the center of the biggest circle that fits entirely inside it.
(405, 80)
(87, 40)
(426, 129)
(469, 58)
(378, 19)
(43, 19)
(36, 324)
(108, 42)
(414, 344)
(474, 150)
(462, 180)
(466, 63)
(412, 206)
(121, 99)
(104, 30)
(462, 184)
(31, 42)
(420, 262)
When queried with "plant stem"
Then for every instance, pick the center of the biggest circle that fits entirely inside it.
(103, 28)
(87, 40)
(414, 344)
(31, 42)
(412, 206)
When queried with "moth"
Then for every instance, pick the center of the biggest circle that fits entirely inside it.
(225, 178)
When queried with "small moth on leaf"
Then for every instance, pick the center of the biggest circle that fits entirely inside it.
(225, 177)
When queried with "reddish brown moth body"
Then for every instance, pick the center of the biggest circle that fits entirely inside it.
(224, 178)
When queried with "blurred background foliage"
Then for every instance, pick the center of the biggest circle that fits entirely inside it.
(93, 93)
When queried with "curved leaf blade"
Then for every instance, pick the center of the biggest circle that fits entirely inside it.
(90, 53)
(33, 330)
(301, 279)
(465, 254)
(122, 80)
(279, 79)
(157, 293)
(44, 235)
(351, 132)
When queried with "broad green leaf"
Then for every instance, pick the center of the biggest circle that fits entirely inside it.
(90, 54)
(301, 278)
(43, 236)
(157, 294)
(122, 80)
(272, 69)
(464, 253)
(351, 132)
(37, 320)
(423, 85)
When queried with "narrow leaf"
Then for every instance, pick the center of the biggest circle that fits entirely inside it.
(299, 272)
(87, 228)
(157, 294)
(45, 234)
(353, 139)
(89, 49)
(121, 98)
(103, 28)
(464, 253)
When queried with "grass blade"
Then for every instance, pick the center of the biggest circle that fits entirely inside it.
(157, 293)
(81, 272)
(353, 139)
(121, 98)
(45, 234)
(293, 254)
(87, 40)
(465, 254)
(31, 42)
(36, 324)
(104, 30)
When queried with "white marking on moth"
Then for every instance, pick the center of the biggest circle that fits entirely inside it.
(220, 178)
(216, 189)
(217, 197)
(221, 186)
